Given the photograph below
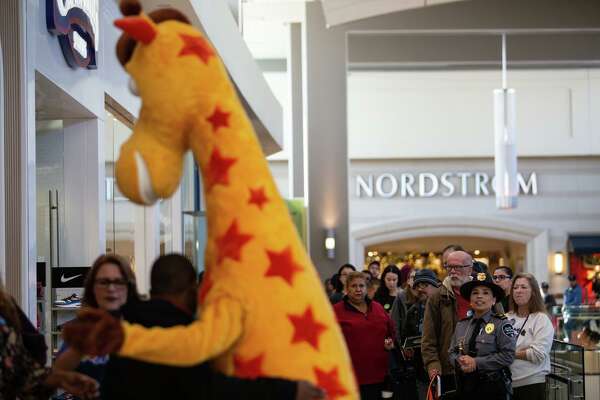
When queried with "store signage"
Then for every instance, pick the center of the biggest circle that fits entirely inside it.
(75, 23)
(68, 277)
(426, 184)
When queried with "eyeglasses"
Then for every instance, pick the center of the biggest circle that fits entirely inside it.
(500, 277)
(456, 267)
(105, 283)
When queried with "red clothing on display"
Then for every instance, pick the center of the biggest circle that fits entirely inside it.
(365, 335)
(462, 305)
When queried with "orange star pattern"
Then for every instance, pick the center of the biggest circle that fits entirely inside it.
(258, 197)
(330, 382)
(306, 328)
(251, 368)
(197, 46)
(283, 265)
(230, 244)
(219, 119)
(218, 169)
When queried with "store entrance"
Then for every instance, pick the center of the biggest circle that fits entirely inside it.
(425, 252)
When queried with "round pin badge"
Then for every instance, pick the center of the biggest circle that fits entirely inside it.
(489, 328)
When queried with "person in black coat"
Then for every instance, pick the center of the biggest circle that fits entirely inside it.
(173, 302)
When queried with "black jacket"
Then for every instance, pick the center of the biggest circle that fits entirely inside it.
(131, 379)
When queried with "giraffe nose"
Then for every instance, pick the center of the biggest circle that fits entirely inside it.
(144, 182)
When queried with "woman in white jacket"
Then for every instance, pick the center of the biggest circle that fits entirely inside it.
(534, 338)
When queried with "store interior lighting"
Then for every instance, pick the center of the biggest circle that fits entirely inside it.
(330, 243)
(559, 260)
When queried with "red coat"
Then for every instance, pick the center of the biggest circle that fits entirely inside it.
(365, 335)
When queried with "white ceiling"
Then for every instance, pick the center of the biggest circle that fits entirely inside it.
(341, 11)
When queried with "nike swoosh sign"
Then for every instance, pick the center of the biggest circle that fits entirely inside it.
(63, 279)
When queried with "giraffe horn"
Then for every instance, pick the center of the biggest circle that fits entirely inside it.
(130, 7)
(140, 28)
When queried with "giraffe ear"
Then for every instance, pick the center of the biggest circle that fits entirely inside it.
(138, 28)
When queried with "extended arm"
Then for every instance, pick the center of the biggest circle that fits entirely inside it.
(219, 326)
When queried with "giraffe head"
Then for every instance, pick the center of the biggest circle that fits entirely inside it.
(174, 70)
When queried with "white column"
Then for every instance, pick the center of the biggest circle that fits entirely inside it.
(82, 203)
(296, 154)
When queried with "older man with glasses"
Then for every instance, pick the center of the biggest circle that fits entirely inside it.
(442, 312)
(503, 278)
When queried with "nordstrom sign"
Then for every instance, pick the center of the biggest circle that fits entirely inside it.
(426, 184)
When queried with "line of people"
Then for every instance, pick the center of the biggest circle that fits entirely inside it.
(481, 335)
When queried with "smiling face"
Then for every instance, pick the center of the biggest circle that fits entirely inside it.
(482, 299)
(521, 291)
(110, 287)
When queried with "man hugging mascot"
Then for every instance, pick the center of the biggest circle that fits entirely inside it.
(263, 310)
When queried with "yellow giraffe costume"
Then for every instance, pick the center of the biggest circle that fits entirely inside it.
(264, 312)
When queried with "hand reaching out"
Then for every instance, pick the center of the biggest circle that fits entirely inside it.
(75, 383)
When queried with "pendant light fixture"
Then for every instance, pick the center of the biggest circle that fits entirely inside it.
(505, 150)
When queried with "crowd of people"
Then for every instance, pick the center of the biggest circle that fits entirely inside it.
(474, 334)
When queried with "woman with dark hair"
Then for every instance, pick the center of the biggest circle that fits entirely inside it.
(369, 335)
(339, 281)
(109, 285)
(22, 375)
(389, 288)
(534, 338)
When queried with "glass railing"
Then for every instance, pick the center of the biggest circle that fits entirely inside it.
(566, 380)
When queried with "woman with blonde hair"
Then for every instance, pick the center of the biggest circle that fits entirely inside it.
(534, 338)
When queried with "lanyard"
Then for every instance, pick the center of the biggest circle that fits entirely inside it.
(523, 326)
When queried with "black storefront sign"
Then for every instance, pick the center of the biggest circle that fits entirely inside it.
(68, 277)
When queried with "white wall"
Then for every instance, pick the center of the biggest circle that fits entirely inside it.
(424, 114)
(85, 86)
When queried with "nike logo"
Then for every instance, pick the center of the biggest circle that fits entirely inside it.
(63, 279)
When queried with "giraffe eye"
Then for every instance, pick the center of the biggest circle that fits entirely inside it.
(133, 88)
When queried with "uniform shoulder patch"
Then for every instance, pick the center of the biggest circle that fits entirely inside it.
(508, 330)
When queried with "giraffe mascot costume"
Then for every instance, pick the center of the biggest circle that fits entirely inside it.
(264, 312)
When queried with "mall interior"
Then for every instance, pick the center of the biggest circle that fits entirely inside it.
(377, 119)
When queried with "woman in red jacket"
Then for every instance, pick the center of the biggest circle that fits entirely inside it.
(368, 331)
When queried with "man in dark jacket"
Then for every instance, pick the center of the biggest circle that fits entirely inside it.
(173, 302)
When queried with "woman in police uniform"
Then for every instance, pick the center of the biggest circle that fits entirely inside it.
(483, 345)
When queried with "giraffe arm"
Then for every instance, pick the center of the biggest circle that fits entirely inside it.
(219, 326)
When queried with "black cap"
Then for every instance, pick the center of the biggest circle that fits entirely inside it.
(572, 277)
(481, 279)
(427, 276)
(545, 285)
(478, 267)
